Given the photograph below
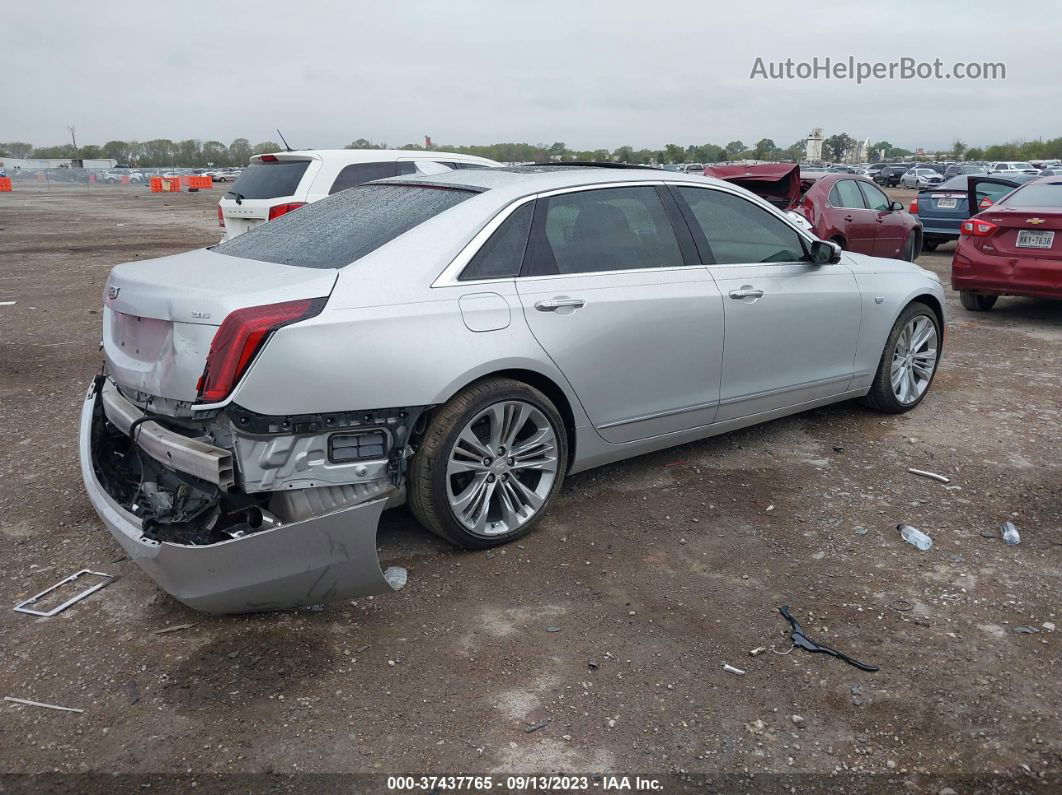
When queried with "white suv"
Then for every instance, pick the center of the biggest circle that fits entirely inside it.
(1012, 167)
(275, 184)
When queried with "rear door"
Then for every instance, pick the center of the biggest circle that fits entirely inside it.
(613, 292)
(850, 213)
(266, 186)
(791, 327)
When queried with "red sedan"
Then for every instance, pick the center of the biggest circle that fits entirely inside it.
(844, 208)
(1012, 248)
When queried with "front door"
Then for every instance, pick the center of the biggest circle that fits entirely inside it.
(891, 226)
(848, 212)
(791, 326)
(612, 291)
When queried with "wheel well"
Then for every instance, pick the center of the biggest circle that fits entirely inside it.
(932, 302)
(840, 241)
(549, 388)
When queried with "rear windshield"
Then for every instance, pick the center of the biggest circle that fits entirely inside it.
(961, 182)
(336, 231)
(1042, 194)
(270, 180)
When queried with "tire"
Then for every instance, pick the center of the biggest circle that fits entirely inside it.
(977, 302)
(910, 391)
(929, 245)
(444, 472)
(910, 244)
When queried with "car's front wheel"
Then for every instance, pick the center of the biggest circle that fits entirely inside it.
(908, 362)
(490, 464)
(977, 302)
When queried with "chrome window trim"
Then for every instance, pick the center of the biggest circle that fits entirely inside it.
(450, 274)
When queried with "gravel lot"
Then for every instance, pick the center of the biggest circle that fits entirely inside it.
(608, 627)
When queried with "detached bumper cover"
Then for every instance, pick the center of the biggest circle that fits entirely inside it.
(323, 559)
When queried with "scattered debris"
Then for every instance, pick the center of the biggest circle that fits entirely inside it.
(173, 628)
(838, 448)
(1027, 630)
(988, 534)
(674, 464)
(132, 691)
(857, 695)
(797, 720)
(534, 727)
(902, 605)
(29, 703)
(1010, 534)
(861, 531)
(800, 639)
(915, 537)
(21, 607)
(757, 650)
(782, 653)
(1050, 627)
(770, 508)
(8, 303)
(364, 648)
(730, 669)
(593, 666)
(931, 475)
(553, 629)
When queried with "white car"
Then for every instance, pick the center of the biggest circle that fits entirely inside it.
(1012, 167)
(921, 178)
(275, 184)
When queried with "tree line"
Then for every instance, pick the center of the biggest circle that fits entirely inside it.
(192, 152)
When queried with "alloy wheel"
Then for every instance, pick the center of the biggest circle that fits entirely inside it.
(914, 359)
(501, 468)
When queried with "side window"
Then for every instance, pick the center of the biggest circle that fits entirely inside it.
(604, 230)
(846, 194)
(358, 173)
(503, 253)
(739, 231)
(876, 200)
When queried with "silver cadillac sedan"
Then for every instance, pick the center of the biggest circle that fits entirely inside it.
(460, 343)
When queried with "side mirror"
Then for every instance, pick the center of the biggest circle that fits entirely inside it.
(825, 252)
(893, 206)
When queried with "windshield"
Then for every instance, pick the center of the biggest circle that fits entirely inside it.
(270, 180)
(343, 228)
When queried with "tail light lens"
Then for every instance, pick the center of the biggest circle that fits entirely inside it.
(221, 217)
(239, 339)
(985, 202)
(913, 209)
(278, 210)
(978, 228)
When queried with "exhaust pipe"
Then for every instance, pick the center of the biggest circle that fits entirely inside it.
(257, 519)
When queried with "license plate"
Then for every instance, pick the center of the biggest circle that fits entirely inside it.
(1027, 238)
(946, 204)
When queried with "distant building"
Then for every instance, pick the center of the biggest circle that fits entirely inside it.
(813, 146)
(41, 164)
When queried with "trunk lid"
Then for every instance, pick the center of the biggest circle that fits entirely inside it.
(160, 316)
(1025, 232)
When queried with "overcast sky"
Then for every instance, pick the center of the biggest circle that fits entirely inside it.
(592, 74)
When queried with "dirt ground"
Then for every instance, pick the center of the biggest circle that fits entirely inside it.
(597, 644)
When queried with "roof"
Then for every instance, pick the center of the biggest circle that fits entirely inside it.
(512, 182)
(361, 155)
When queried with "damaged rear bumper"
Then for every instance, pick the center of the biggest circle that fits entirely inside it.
(322, 559)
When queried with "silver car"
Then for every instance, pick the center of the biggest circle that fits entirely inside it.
(461, 342)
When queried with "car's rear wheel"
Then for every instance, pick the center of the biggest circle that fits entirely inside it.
(908, 362)
(930, 245)
(490, 464)
(977, 302)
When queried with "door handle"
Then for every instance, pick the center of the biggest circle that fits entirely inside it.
(848, 218)
(560, 302)
(746, 292)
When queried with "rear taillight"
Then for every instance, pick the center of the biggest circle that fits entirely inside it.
(977, 228)
(221, 217)
(278, 210)
(985, 202)
(239, 338)
(913, 209)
